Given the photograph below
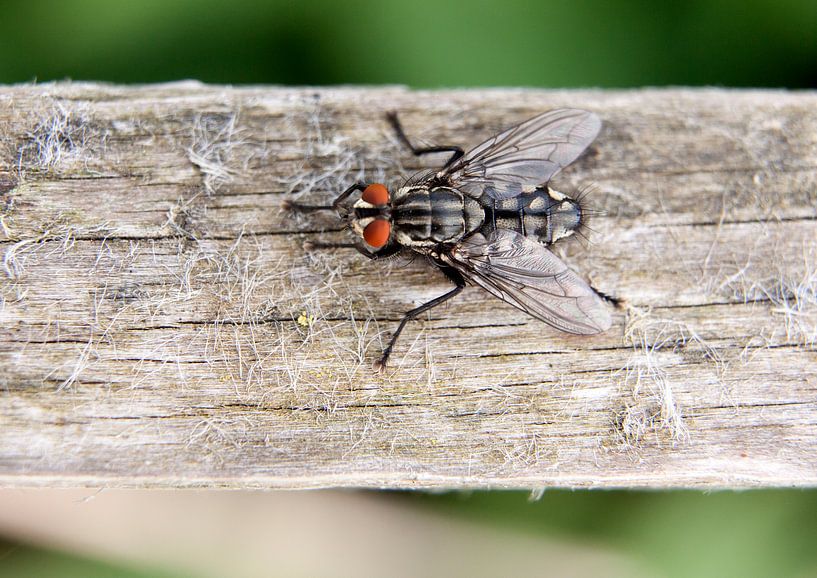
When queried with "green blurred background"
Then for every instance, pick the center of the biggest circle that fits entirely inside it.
(428, 43)
(422, 43)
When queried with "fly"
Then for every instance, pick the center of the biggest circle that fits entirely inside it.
(486, 217)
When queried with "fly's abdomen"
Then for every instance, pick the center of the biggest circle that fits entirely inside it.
(543, 214)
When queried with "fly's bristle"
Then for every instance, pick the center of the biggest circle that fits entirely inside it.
(588, 213)
(581, 198)
(404, 258)
(419, 177)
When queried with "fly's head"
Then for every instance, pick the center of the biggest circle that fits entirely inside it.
(370, 217)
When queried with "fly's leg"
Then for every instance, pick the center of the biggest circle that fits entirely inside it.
(300, 208)
(452, 274)
(312, 245)
(456, 152)
(612, 300)
(385, 252)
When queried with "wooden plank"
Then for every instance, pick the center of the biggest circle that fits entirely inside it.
(161, 324)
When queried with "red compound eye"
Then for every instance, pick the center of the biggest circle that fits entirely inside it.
(376, 233)
(376, 194)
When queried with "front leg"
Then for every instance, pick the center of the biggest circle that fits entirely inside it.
(385, 252)
(312, 245)
(300, 208)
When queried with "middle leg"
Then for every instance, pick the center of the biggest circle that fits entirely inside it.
(456, 151)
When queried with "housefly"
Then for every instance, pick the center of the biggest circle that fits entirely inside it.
(486, 217)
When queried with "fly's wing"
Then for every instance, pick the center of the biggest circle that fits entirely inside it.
(529, 154)
(528, 276)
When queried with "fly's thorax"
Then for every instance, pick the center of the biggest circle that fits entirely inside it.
(412, 215)
(427, 216)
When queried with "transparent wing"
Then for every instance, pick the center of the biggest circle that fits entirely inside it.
(528, 276)
(530, 153)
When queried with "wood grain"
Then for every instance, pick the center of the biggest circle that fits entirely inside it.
(162, 325)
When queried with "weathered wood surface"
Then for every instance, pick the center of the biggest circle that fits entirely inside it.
(163, 326)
